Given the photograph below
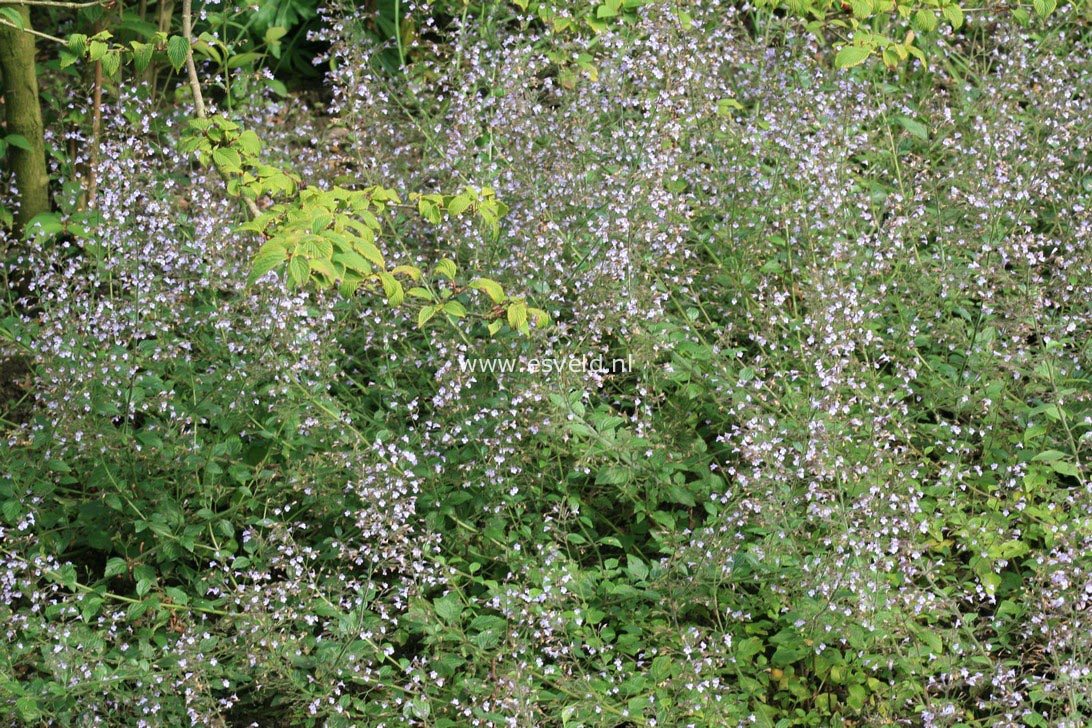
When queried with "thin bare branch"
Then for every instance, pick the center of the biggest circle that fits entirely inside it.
(35, 33)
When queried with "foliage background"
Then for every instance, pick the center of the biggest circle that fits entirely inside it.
(844, 483)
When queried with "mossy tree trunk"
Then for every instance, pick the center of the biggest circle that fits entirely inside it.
(24, 117)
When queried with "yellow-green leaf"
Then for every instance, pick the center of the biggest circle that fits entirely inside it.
(454, 308)
(446, 268)
(299, 271)
(425, 315)
(268, 257)
(851, 56)
(392, 289)
(491, 288)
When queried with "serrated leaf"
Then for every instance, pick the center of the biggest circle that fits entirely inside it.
(458, 205)
(227, 158)
(421, 293)
(495, 326)
(369, 251)
(114, 567)
(177, 51)
(142, 55)
(851, 56)
(1043, 8)
(491, 288)
(637, 569)
(454, 308)
(299, 271)
(324, 267)
(541, 318)
(446, 268)
(517, 316)
(924, 21)
(111, 62)
(954, 15)
(412, 271)
(861, 8)
(77, 42)
(353, 261)
(249, 143)
(425, 315)
(392, 289)
(98, 50)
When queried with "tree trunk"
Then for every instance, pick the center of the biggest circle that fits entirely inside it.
(24, 117)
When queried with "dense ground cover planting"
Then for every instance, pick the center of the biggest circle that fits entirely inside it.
(841, 478)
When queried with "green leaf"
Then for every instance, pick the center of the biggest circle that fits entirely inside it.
(369, 251)
(111, 62)
(1065, 468)
(353, 261)
(851, 56)
(422, 293)
(448, 607)
(244, 59)
(177, 51)
(1043, 8)
(19, 142)
(227, 159)
(458, 205)
(446, 268)
(788, 654)
(114, 567)
(412, 271)
(142, 55)
(454, 308)
(924, 21)
(299, 271)
(491, 288)
(14, 17)
(542, 319)
(392, 289)
(637, 569)
(426, 314)
(27, 707)
(517, 316)
(914, 127)
(98, 50)
(77, 42)
(268, 257)
(861, 8)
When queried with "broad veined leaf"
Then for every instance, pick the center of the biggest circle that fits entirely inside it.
(412, 271)
(491, 288)
(850, 56)
(446, 268)
(392, 289)
(517, 316)
(454, 308)
(269, 256)
(425, 315)
(299, 271)
(177, 51)
(369, 251)
(353, 261)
